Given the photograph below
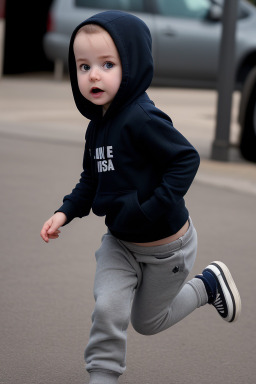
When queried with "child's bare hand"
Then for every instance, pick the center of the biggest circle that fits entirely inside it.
(51, 227)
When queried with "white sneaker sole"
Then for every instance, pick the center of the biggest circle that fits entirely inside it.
(229, 289)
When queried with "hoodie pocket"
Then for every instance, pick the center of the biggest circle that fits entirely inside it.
(125, 214)
(102, 202)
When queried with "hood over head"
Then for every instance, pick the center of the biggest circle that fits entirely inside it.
(133, 41)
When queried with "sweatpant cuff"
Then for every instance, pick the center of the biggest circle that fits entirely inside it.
(200, 290)
(103, 377)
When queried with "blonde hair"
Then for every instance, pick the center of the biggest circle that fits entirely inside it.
(91, 28)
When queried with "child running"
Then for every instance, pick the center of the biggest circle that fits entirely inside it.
(137, 169)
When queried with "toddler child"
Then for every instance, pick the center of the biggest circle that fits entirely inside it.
(136, 170)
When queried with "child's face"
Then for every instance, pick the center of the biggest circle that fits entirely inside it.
(99, 70)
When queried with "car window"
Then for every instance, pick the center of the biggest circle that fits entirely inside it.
(124, 5)
(192, 9)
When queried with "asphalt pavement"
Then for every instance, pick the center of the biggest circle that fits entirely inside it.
(46, 289)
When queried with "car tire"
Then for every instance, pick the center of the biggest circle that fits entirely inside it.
(247, 118)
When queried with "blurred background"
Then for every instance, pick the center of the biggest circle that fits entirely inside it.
(23, 18)
(39, 33)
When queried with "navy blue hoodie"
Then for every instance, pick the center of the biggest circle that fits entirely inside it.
(137, 167)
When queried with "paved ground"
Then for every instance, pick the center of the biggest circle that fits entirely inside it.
(46, 290)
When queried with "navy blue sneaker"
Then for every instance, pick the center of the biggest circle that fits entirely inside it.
(227, 300)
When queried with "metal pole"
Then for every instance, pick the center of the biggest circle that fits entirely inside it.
(220, 146)
(2, 35)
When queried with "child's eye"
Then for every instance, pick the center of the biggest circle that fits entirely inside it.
(85, 67)
(108, 65)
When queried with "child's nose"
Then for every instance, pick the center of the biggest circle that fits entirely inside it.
(94, 74)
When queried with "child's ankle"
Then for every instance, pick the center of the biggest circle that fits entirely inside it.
(210, 285)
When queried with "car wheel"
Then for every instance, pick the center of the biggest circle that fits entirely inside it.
(248, 119)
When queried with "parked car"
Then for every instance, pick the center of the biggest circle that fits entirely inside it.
(186, 37)
(185, 33)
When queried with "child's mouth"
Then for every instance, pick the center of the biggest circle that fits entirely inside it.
(96, 91)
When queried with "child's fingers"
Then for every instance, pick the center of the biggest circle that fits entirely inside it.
(47, 236)
(48, 230)
(51, 232)
(54, 234)
(54, 227)
(44, 236)
(51, 227)
(44, 233)
(53, 237)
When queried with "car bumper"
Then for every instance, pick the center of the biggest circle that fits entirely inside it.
(56, 47)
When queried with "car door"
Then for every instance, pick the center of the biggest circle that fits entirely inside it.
(186, 43)
(87, 8)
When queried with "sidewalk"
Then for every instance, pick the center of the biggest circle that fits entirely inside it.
(47, 290)
(37, 107)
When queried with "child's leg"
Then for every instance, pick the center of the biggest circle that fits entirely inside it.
(117, 275)
(163, 298)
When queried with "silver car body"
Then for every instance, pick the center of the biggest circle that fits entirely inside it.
(185, 46)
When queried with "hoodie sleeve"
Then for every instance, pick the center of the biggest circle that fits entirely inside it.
(175, 157)
(79, 202)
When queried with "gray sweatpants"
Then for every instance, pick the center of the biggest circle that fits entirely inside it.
(144, 284)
